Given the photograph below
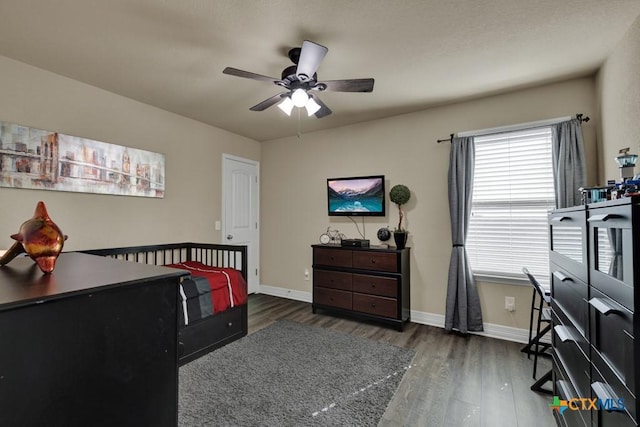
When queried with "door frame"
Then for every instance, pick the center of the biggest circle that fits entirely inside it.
(223, 231)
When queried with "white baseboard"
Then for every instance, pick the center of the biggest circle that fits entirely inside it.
(491, 330)
(286, 293)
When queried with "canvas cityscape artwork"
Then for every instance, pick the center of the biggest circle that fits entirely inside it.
(39, 159)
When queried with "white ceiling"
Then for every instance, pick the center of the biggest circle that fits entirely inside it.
(421, 53)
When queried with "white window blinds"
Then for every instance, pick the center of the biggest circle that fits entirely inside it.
(512, 193)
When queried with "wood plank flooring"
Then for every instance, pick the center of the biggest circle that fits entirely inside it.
(454, 380)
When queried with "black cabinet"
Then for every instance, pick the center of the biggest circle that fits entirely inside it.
(94, 343)
(366, 283)
(593, 258)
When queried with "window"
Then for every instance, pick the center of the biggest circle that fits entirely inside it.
(512, 193)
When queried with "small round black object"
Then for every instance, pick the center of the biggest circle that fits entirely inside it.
(384, 234)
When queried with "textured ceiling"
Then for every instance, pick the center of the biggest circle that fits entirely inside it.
(421, 53)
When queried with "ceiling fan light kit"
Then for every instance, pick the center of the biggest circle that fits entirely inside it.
(299, 98)
(300, 101)
(312, 107)
(301, 81)
(286, 105)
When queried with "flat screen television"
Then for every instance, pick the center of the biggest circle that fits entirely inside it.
(356, 196)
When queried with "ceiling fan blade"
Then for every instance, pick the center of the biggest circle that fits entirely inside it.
(324, 110)
(248, 75)
(352, 85)
(268, 102)
(310, 57)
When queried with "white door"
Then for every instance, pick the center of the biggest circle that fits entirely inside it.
(240, 200)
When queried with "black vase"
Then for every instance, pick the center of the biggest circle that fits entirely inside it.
(401, 238)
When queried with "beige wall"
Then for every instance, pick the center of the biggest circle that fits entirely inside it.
(618, 84)
(294, 170)
(36, 98)
(404, 149)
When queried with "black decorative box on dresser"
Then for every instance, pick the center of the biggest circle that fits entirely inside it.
(595, 355)
(367, 283)
(92, 344)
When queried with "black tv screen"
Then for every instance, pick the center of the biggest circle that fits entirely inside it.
(356, 196)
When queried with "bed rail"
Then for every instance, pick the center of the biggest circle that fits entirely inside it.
(214, 255)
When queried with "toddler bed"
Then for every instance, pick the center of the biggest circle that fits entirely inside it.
(212, 302)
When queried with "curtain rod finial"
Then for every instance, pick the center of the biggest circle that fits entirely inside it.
(580, 118)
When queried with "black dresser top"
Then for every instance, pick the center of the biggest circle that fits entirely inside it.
(380, 248)
(22, 282)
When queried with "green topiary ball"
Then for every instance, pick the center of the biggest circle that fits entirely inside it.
(399, 194)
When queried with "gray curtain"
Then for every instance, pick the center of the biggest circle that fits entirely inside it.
(463, 311)
(568, 162)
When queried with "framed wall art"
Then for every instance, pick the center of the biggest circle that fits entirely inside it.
(45, 160)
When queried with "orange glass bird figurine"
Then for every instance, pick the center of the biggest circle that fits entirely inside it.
(40, 238)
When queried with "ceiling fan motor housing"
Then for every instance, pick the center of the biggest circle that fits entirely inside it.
(292, 81)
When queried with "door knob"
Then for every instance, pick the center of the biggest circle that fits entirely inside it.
(229, 236)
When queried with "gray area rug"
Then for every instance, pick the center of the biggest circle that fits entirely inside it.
(292, 374)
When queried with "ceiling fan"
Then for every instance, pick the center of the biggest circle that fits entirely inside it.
(301, 82)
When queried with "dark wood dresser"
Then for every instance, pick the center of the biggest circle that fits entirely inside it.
(92, 344)
(366, 283)
(594, 255)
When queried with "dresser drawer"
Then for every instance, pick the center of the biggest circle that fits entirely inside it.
(604, 418)
(573, 360)
(608, 388)
(332, 279)
(612, 335)
(201, 335)
(332, 257)
(571, 295)
(378, 261)
(333, 298)
(563, 388)
(567, 240)
(611, 255)
(375, 285)
(573, 333)
(379, 306)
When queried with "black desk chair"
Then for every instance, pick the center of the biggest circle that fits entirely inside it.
(540, 303)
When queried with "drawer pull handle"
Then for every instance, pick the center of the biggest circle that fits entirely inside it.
(564, 389)
(563, 278)
(373, 261)
(603, 306)
(563, 333)
(373, 305)
(560, 218)
(230, 324)
(602, 217)
(604, 392)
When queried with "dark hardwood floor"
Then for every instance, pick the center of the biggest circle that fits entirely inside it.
(453, 381)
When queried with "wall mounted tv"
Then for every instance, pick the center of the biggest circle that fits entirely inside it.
(356, 196)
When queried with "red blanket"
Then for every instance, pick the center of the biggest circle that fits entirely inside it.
(228, 287)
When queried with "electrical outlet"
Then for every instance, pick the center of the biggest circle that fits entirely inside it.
(510, 303)
(306, 274)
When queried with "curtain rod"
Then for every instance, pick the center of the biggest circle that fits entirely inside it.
(446, 139)
(581, 117)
